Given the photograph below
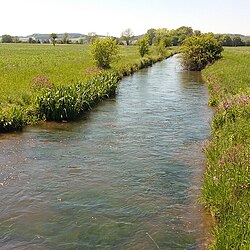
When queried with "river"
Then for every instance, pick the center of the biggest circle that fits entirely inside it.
(126, 176)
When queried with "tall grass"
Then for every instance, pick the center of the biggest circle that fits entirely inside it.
(33, 75)
(226, 189)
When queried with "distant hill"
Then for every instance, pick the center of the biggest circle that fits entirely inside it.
(38, 36)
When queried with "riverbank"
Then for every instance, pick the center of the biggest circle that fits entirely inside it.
(226, 188)
(34, 75)
(129, 170)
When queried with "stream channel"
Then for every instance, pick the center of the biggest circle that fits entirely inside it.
(128, 175)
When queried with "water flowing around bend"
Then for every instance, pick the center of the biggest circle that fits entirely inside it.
(125, 177)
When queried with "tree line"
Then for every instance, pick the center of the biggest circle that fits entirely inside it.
(167, 37)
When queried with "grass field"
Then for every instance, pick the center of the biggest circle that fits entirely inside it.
(226, 190)
(22, 65)
(62, 64)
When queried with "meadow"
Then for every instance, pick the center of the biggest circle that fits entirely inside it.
(26, 68)
(62, 65)
(226, 188)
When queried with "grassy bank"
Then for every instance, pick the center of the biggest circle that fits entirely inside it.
(226, 190)
(33, 75)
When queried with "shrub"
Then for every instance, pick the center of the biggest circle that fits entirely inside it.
(104, 51)
(198, 51)
(143, 46)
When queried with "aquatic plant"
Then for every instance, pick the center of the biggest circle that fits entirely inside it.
(68, 102)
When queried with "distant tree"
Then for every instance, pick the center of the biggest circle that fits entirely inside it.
(81, 41)
(247, 42)
(162, 39)
(7, 39)
(183, 32)
(197, 33)
(46, 41)
(91, 37)
(16, 39)
(173, 37)
(150, 36)
(104, 51)
(198, 51)
(65, 38)
(53, 38)
(143, 46)
(237, 41)
(127, 35)
(226, 40)
(31, 40)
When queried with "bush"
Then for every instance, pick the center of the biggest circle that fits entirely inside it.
(198, 51)
(143, 46)
(104, 51)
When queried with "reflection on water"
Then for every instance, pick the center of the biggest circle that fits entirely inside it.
(127, 176)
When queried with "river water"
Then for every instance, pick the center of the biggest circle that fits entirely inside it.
(126, 176)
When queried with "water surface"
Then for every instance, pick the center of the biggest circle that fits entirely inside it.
(126, 176)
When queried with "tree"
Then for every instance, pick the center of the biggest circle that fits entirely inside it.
(237, 41)
(104, 51)
(127, 35)
(183, 32)
(197, 33)
(198, 51)
(226, 40)
(91, 37)
(162, 38)
(143, 46)
(16, 39)
(53, 37)
(7, 39)
(65, 39)
(150, 36)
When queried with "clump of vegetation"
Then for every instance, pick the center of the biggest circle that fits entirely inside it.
(226, 188)
(41, 82)
(104, 51)
(53, 38)
(199, 51)
(68, 102)
(65, 67)
(12, 118)
(143, 46)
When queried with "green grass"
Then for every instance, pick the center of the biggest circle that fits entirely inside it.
(226, 189)
(62, 64)
(24, 68)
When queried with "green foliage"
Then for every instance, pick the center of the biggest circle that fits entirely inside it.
(7, 39)
(68, 102)
(198, 51)
(226, 188)
(127, 35)
(104, 51)
(150, 35)
(65, 38)
(30, 70)
(53, 37)
(143, 46)
(91, 37)
(12, 118)
(161, 36)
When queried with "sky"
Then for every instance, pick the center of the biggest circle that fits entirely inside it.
(110, 17)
